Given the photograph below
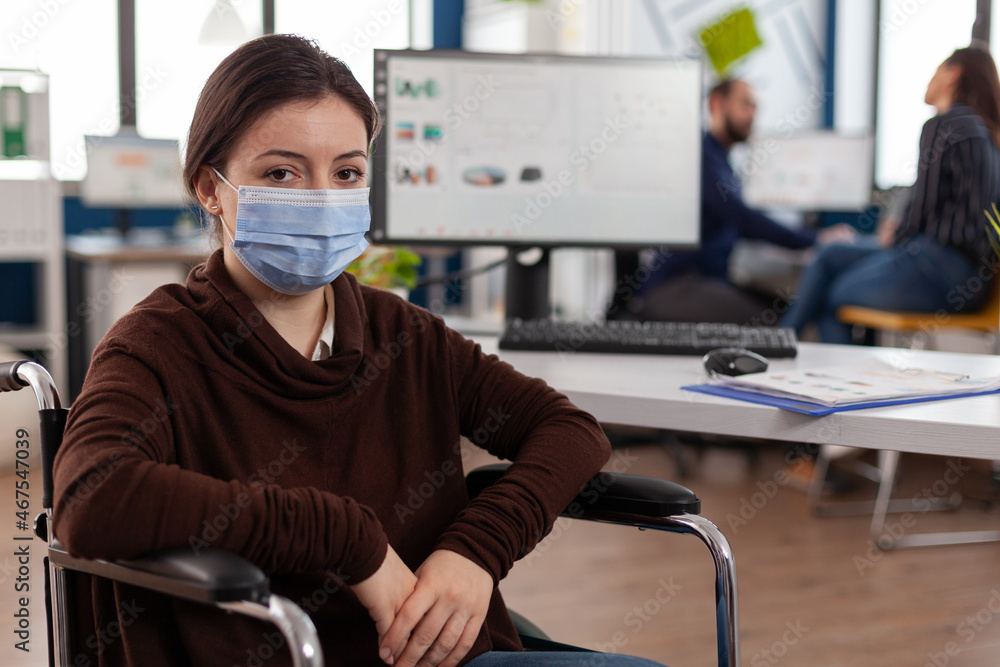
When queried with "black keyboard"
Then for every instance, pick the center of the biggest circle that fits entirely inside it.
(625, 337)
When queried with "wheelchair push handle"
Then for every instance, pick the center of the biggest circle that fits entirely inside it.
(9, 379)
(15, 375)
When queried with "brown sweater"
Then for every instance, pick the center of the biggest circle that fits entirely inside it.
(198, 425)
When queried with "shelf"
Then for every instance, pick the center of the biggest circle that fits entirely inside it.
(31, 228)
(13, 255)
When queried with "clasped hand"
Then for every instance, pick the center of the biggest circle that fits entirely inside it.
(427, 618)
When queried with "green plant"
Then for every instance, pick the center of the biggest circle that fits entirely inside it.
(995, 223)
(387, 267)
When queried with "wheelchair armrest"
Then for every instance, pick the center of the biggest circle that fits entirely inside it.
(610, 492)
(211, 576)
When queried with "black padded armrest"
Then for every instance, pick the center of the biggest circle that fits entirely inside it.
(211, 576)
(611, 492)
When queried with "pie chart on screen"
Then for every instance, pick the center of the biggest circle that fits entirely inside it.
(484, 176)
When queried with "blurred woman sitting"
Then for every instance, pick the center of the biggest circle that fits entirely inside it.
(938, 257)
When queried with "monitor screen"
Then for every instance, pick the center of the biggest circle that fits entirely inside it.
(527, 149)
(809, 171)
(128, 171)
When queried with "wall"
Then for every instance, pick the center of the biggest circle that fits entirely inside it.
(788, 71)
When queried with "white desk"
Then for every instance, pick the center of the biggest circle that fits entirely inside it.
(109, 275)
(640, 390)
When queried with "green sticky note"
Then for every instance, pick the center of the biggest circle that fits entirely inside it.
(730, 38)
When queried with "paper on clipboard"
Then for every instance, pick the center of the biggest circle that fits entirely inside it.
(867, 382)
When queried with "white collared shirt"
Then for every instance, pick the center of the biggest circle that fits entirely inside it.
(324, 346)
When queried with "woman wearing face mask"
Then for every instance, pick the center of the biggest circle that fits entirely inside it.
(939, 256)
(274, 407)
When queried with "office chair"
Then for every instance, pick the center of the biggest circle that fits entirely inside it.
(986, 320)
(227, 581)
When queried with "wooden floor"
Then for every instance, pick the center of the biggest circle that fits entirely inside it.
(812, 591)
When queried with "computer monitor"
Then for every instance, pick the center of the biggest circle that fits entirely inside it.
(527, 150)
(129, 171)
(815, 170)
(126, 171)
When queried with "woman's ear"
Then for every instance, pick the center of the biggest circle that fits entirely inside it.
(952, 74)
(206, 187)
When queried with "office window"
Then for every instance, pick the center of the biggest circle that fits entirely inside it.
(349, 31)
(995, 28)
(173, 61)
(76, 44)
(915, 37)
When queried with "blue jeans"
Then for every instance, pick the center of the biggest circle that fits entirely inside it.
(558, 659)
(918, 276)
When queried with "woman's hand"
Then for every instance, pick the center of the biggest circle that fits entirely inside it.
(839, 233)
(440, 621)
(886, 232)
(384, 593)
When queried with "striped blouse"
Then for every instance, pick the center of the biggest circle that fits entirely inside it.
(958, 177)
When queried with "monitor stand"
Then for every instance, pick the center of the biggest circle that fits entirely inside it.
(123, 221)
(527, 288)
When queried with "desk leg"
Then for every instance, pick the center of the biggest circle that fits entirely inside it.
(889, 461)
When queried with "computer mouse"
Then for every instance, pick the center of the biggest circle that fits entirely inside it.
(733, 361)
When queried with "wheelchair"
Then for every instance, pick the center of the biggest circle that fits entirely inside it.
(226, 581)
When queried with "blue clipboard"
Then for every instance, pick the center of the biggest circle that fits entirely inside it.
(813, 408)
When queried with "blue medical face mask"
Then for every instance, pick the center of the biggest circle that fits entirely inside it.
(296, 241)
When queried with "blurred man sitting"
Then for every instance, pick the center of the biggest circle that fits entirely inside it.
(694, 286)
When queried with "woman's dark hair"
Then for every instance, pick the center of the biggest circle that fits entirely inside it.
(978, 86)
(255, 79)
